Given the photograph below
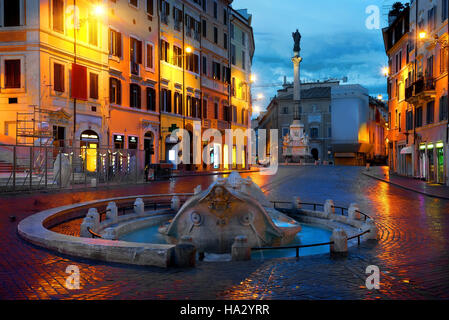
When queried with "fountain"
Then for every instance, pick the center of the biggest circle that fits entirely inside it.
(228, 209)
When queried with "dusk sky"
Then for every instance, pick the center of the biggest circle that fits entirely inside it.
(335, 42)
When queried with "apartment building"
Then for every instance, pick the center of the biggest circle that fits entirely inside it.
(418, 90)
(120, 74)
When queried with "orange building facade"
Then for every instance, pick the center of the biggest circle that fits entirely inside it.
(148, 68)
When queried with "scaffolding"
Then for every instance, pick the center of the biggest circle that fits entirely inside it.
(33, 128)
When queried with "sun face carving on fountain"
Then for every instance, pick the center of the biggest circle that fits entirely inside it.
(214, 217)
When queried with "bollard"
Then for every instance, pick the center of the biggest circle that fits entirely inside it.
(370, 225)
(93, 213)
(87, 223)
(175, 203)
(197, 190)
(110, 234)
(185, 255)
(296, 204)
(139, 207)
(353, 212)
(340, 242)
(112, 212)
(241, 251)
(329, 208)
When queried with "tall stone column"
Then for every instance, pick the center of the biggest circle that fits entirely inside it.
(296, 86)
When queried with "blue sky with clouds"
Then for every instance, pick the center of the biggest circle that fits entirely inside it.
(335, 42)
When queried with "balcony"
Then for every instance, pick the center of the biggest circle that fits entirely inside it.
(178, 25)
(421, 91)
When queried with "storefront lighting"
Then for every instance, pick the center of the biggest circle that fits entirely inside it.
(430, 146)
(440, 145)
(422, 147)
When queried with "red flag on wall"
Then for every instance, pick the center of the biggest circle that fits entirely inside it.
(79, 82)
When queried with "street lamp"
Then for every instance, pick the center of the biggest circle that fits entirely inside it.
(253, 78)
(386, 71)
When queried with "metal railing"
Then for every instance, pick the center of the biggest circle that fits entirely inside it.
(315, 206)
(51, 167)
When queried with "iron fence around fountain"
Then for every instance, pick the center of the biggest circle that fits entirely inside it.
(344, 211)
(297, 247)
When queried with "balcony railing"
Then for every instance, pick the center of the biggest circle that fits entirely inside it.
(424, 84)
(409, 91)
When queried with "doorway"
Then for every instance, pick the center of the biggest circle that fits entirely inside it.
(315, 154)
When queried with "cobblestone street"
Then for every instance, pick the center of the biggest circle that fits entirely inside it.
(412, 253)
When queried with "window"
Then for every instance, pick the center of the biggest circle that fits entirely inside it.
(115, 43)
(205, 65)
(93, 85)
(225, 17)
(215, 35)
(216, 71)
(93, 32)
(11, 17)
(204, 5)
(444, 59)
(151, 99)
(204, 29)
(285, 131)
(430, 112)
(409, 121)
(233, 54)
(58, 77)
(177, 58)
(165, 100)
(165, 47)
(233, 87)
(431, 18)
(115, 91)
(216, 110)
(429, 70)
(399, 121)
(134, 96)
(150, 56)
(418, 117)
(189, 106)
(314, 133)
(215, 10)
(135, 49)
(12, 74)
(226, 75)
(243, 38)
(177, 16)
(205, 108)
(150, 7)
(165, 11)
(444, 108)
(444, 11)
(285, 110)
(192, 62)
(243, 116)
(135, 3)
(232, 31)
(177, 107)
(58, 15)
(225, 40)
(329, 132)
(243, 60)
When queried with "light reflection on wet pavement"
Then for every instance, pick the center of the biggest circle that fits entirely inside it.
(412, 253)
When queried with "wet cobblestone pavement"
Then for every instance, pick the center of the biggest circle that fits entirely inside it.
(412, 253)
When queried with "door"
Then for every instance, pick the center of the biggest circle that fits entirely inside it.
(431, 165)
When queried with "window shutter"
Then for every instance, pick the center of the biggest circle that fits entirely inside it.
(119, 92)
(119, 44)
(139, 52)
(169, 100)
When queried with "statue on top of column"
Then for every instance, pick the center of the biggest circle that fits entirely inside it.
(297, 38)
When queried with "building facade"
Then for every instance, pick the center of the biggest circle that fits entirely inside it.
(121, 74)
(416, 43)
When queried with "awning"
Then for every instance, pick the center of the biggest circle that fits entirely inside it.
(407, 150)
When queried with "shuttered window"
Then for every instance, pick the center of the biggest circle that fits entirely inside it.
(151, 99)
(93, 85)
(58, 77)
(12, 74)
(136, 50)
(58, 15)
(134, 96)
(115, 43)
(11, 10)
(115, 91)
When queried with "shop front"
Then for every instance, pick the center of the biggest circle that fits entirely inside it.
(432, 161)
